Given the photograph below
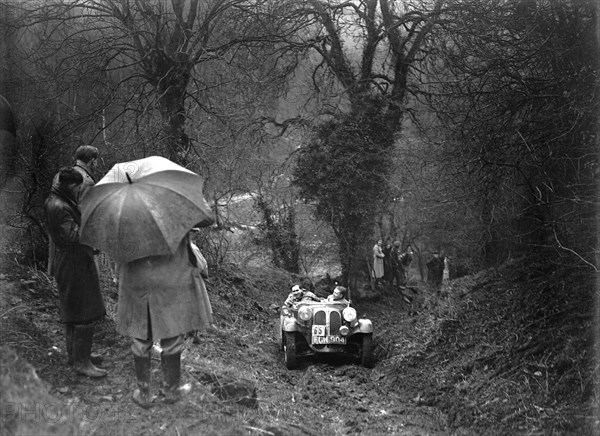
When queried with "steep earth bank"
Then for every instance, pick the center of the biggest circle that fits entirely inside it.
(508, 351)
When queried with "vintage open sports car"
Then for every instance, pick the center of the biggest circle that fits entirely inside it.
(311, 327)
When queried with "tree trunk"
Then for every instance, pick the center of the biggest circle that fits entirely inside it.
(176, 141)
(173, 79)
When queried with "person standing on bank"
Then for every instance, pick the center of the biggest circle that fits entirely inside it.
(397, 268)
(435, 269)
(86, 158)
(161, 298)
(378, 257)
(76, 274)
(388, 273)
(405, 260)
(86, 161)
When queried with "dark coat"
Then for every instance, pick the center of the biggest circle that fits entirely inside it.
(88, 180)
(395, 259)
(435, 270)
(74, 267)
(387, 263)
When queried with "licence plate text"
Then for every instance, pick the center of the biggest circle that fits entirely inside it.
(329, 340)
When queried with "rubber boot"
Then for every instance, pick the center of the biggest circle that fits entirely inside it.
(96, 359)
(171, 367)
(141, 395)
(82, 349)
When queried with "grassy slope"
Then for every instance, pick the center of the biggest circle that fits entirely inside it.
(509, 349)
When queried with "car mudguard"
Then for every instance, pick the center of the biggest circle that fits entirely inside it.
(363, 326)
(288, 324)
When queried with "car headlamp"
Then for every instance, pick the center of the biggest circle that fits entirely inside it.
(305, 313)
(349, 314)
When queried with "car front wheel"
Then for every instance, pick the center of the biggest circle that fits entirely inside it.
(289, 350)
(366, 358)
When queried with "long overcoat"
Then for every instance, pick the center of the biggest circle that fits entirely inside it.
(88, 180)
(162, 296)
(378, 257)
(74, 267)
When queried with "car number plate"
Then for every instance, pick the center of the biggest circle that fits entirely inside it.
(328, 340)
(318, 330)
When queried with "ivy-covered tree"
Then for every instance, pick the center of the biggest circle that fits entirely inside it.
(365, 54)
(278, 231)
(344, 172)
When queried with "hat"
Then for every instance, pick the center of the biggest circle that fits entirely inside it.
(396, 243)
(68, 176)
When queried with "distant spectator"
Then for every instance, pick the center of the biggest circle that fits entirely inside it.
(397, 267)
(446, 274)
(378, 257)
(387, 262)
(405, 260)
(435, 269)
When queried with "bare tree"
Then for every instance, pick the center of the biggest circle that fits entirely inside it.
(515, 83)
(193, 81)
(167, 54)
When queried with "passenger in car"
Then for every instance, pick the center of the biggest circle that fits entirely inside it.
(338, 295)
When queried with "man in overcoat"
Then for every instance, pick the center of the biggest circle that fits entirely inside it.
(388, 272)
(405, 261)
(435, 269)
(76, 273)
(396, 265)
(161, 298)
(86, 159)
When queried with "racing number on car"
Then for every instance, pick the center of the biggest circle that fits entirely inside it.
(318, 330)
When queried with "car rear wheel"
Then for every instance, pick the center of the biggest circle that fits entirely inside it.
(366, 355)
(289, 350)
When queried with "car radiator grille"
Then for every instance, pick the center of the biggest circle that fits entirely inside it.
(335, 320)
(320, 318)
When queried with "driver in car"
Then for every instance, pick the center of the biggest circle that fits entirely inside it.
(298, 294)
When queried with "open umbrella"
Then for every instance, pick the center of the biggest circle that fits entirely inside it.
(143, 208)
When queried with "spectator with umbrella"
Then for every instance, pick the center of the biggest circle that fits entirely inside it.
(141, 214)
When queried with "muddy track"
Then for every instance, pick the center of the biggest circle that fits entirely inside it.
(240, 383)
